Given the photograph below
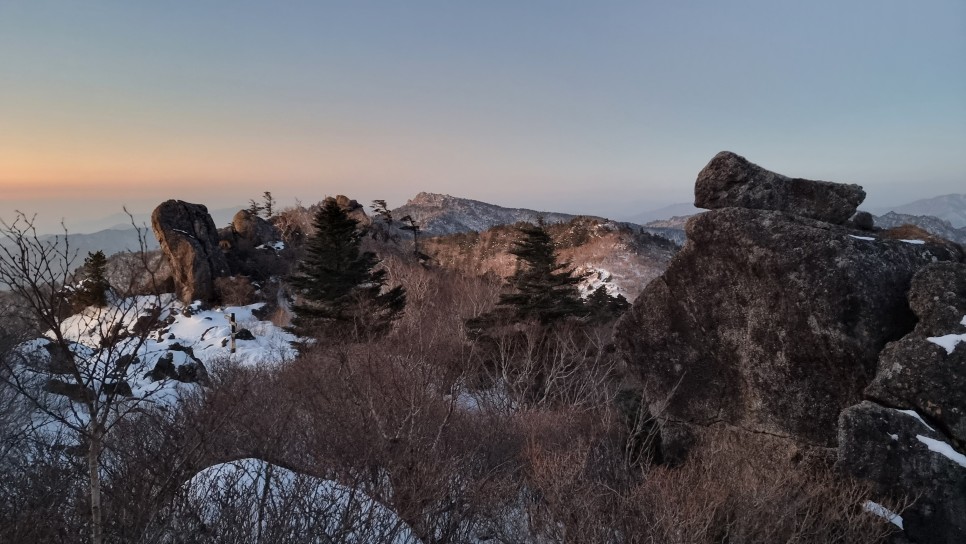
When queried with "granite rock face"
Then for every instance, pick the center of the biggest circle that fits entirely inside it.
(785, 315)
(252, 231)
(730, 180)
(770, 322)
(907, 460)
(926, 369)
(190, 243)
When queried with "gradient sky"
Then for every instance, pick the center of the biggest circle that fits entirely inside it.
(596, 107)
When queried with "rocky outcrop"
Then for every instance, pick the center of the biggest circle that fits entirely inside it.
(730, 180)
(180, 365)
(926, 369)
(907, 460)
(353, 209)
(908, 438)
(190, 243)
(770, 322)
(785, 316)
(252, 231)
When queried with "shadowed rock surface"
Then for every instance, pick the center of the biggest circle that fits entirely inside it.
(891, 449)
(770, 322)
(783, 317)
(252, 231)
(190, 243)
(730, 180)
(920, 374)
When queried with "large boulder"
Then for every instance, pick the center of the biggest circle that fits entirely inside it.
(190, 242)
(353, 209)
(926, 369)
(907, 460)
(250, 230)
(770, 322)
(730, 180)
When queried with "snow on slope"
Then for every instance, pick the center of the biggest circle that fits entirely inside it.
(328, 511)
(185, 338)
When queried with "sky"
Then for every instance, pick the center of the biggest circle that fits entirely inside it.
(605, 107)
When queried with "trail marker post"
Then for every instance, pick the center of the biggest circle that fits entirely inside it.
(231, 321)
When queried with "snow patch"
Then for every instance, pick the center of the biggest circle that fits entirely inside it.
(916, 242)
(943, 449)
(883, 512)
(277, 246)
(346, 512)
(912, 413)
(948, 342)
(595, 278)
(869, 238)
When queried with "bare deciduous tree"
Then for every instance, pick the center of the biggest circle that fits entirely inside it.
(79, 374)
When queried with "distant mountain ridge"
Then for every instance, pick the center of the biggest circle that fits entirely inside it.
(439, 214)
(951, 208)
(618, 256)
(932, 225)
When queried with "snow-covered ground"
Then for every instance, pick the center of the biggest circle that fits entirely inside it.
(331, 511)
(153, 330)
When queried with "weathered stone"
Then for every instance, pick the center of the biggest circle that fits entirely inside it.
(770, 322)
(862, 221)
(61, 360)
(193, 371)
(121, 389)
(353, 209)
(891, 450)
(917, 373)
(73, 391)
(252, 231)
(730, 180)
(190, 242)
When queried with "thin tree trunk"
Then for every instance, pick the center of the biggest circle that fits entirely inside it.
(93, 462)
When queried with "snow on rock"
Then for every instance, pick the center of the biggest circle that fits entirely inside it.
(869, 238)
(277, 246)
(153, 345)
(943, 449)
(916, 242)
(948, 341)
(208, 334)
(883, 512)
(913, 414)
(330, 509)
(595, 278)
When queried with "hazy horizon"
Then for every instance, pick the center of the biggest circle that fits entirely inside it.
(607, 108)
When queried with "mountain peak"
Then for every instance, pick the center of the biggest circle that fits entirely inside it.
(439, 214)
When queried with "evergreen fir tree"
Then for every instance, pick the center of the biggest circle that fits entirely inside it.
(544, 289)
(269, 206)
(341, 291)
(602, 306)
(95, 286)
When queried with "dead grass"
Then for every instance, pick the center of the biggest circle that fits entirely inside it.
(911, 232)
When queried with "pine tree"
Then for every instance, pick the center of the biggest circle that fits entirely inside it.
(410, 224)
(95, 286)
(338, 282)
(544, 289)
(602, 306)
(269, 206)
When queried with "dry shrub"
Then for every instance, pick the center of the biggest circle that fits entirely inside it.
(911, 232)
(235, 290)
(740, 488)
